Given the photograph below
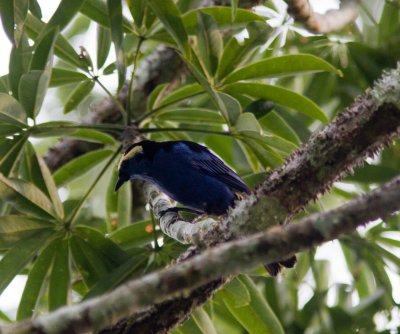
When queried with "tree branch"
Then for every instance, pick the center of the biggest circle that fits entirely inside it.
(227, 259)
(328, 156)
(332, 20)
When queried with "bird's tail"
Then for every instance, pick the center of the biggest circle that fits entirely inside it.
(274, 268)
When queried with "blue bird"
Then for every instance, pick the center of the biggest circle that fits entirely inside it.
(187, 172)
(190, 174)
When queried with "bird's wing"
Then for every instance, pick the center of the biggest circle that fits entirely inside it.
(211, 165)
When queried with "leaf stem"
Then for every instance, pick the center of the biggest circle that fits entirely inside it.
(112, 97)
(153, 111)
(78, 208)
(222, 133)
(131, 86)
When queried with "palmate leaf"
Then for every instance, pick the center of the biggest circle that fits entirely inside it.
(209, 43)
(79, 166)
(132, 267)
(26, 197)
(103, 45)
(79, 93)
(115, 17)
(36, 280)
(222, 15)
(13, 14)
(281, 66)
(234, 52)
(10, 151)
(90, 263)
(59, 282)
(169, 15)
(62, 48)
(136, 235)
(279, 95)
(19, 63)
(14, 228)
(97, 11)
(61, 76)
(118, 204)
(11, 111)
(199, 323)
(252, 311)
(16, 258)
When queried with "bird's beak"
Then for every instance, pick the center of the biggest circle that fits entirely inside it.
(120, 182)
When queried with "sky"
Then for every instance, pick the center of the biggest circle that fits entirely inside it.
(331, 251)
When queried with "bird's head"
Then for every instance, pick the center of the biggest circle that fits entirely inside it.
(133, 164)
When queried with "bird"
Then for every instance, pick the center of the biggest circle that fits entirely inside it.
(190, 174)
(186, 171)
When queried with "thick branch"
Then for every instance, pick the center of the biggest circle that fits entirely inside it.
(332, 20)
(227, 259)
(326, 157)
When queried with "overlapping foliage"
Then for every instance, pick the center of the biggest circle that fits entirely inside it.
(252, 93)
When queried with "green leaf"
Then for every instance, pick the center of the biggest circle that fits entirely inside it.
(169, 15)
(26, 197)
(44, 49)
(11, 111)
(234, 53)
(59, 276)
(10, 151)
(15, 259)
(182, 93)
(4, 86)
(103, 45)
(51, 188)
(32, 90)
(92, 136)
(137, 9)
(118, 203)
(78, 94)
(155, 96)
(13, 14)
(373, 174)
(277, 125)
(230, 107)
(281, 66)
(77, 167)
(280, 96)
(19, 63)
(103, 245)
(62, 49)
(64, 13)
(247, 123)
(222, 15)
(65, 128)
(97, 11)
(14, 228)
(257, 316)
(132, 266)
(36, 279)
(35, 9)
(90, 264)
(61, 76)
(115, 16)
(209, 42)
(35, 170)
(191, 115)
(203, 321)
(136, 235)
(8, 130)
(236, 294)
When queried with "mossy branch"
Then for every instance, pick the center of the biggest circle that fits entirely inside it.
(227, 259)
